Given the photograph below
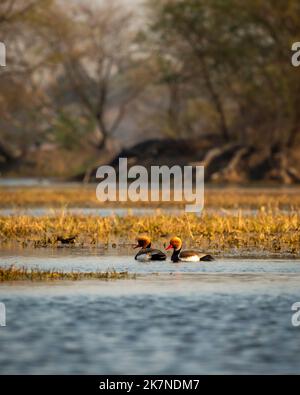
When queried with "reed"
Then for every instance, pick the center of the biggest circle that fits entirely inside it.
(85, 196)
(13, 273)
(267, 230)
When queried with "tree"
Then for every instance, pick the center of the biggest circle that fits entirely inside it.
(12, 10)
(237, 55)
(99, 69)
(21, 96)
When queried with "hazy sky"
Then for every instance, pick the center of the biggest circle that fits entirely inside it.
(127, 134)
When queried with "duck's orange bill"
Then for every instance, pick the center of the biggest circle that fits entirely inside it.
(170, 246)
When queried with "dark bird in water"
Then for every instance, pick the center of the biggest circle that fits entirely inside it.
(67, 240)
(180, 255)
(147, 253)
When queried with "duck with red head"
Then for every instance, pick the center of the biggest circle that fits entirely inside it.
(147, 253)
(180, 255)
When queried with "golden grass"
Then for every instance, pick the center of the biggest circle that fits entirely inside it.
(13, 273)
(85, 196)
(271, 231)
(274, 227)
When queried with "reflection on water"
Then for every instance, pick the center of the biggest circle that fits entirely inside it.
(100, 212)
(23, 182)
(120, 259)
(206, 333)
(121, 212)
(228, 316)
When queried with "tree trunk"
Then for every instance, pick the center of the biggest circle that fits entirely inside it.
(101, 134)
(231, 172)
(174, 109)
(293, 135)
(7, 153)
(281, 170)
(216, 99)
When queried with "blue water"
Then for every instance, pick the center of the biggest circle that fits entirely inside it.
(228, 316)
(100, 212)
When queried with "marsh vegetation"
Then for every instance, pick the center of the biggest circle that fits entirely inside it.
(13, 273)
(67, 195)
(265, 231)
(242, 219)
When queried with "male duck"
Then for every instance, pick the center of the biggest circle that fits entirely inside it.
(147, 253)
(186, 255)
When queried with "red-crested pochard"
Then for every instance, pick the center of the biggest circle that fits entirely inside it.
(147, 253)
(180, 255)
